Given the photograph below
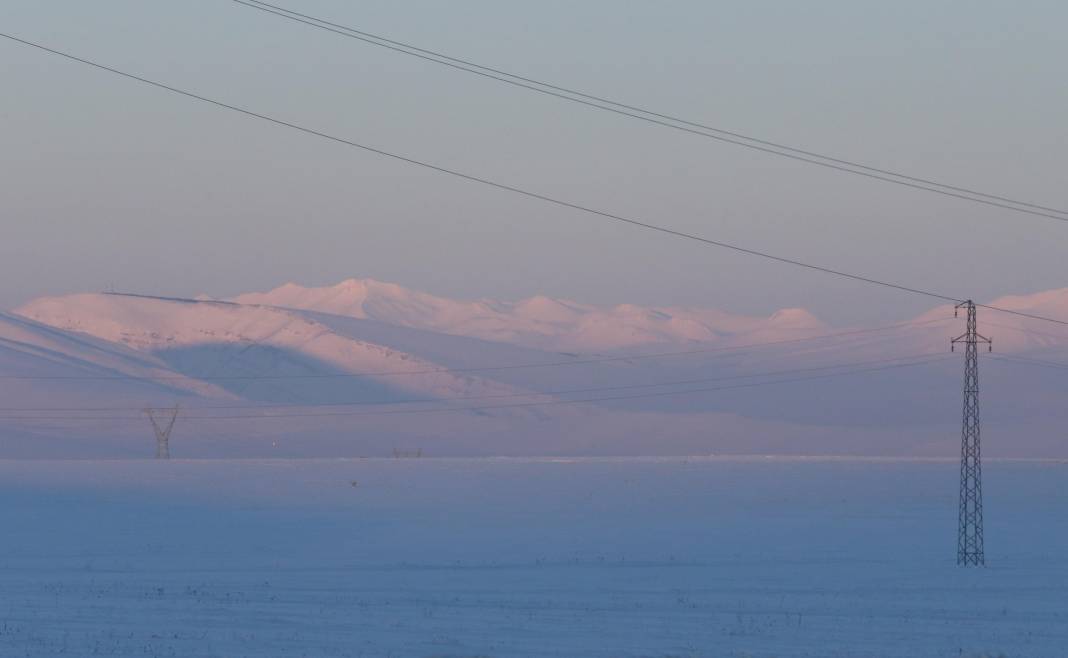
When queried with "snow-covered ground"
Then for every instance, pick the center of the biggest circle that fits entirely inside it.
(527, 557)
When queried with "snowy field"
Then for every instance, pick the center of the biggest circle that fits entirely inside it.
(420, 557)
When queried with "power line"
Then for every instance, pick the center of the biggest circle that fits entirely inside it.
(1022, 314)
(483, 181)
(572, 391)
(525, 192)
(666, 120)
(547, 403)
(1029, 361)
(1062, 337)
(727, 350)
(486, 181)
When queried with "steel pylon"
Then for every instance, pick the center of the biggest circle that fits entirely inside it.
(162, 425)
(970, 521)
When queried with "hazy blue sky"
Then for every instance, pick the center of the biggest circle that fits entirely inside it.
(109, 183)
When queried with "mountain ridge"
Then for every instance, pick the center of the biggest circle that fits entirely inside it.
(538, 321)
(366, 367)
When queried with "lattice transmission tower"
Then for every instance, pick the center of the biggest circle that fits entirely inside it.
(163, 424)
(970, 521)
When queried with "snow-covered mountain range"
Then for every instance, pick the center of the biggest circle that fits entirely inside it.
(364, 367)
(539, 322)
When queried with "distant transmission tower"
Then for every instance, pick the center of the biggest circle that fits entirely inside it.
(970, 521)
(163, 426)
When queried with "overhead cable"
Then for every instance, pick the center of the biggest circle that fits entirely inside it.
(666, 120)
(531, 194)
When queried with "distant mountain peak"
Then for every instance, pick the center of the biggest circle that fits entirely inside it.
(795, 317)
(538, 321)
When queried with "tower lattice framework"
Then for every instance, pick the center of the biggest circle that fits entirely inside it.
(970, 521)
(162, 424)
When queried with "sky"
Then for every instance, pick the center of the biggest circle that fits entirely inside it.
(108, 184)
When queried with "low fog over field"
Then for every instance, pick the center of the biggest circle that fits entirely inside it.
(751, 558)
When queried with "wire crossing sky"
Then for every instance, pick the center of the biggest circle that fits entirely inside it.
(111, 187)
(541, 197)
(669, 121)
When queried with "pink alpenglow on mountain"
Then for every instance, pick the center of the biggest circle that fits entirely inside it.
(365, 367)
(539, 322)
